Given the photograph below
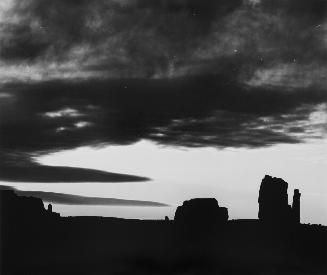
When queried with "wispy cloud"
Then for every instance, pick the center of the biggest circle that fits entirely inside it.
(68, 199)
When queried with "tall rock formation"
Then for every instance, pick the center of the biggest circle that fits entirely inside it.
(296, 205)
(273, 202)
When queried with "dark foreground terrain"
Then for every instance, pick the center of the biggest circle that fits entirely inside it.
(87, 245)
(95, 246)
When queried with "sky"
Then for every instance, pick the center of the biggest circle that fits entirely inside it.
(128, 107)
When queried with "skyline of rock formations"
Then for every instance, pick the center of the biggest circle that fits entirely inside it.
(273, 205)
(201, 240)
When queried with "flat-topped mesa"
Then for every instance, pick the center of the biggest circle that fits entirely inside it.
(201, 211)
(273, 202)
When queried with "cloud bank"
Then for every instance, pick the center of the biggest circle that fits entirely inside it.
(179, 72)
(249, 40)
(194, 112)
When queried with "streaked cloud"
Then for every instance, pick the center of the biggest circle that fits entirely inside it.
(68, 199)
(29, 172)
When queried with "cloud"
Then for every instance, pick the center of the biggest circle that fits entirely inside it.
(179, 72)
(165, 39)
(111, 38)
(197, 111)
(68, 199)
(51, 174)
(20, 166)
(290, 76)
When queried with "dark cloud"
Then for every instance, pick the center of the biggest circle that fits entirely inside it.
(199, 111)
(48, 174)
(315, 10)
(18, 165)
(128, 28)
(167, 38)
(68, 199)
(179, 72)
